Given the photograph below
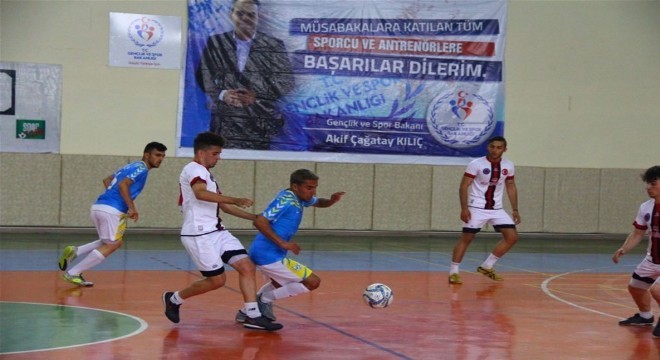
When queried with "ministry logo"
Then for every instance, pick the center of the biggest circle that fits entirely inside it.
(460, 119)
(146, 32)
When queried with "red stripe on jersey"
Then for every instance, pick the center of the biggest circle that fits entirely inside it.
(638, 226)
(470, 175)
(489, 195)
(196, 180)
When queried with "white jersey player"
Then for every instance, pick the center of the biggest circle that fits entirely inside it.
(205, 238)
(481, 193)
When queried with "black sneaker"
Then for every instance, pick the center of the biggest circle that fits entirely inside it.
(656, 331)
(261, 323)
(637, 320)
(171, 309)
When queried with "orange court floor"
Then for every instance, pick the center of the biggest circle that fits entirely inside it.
(561, 298)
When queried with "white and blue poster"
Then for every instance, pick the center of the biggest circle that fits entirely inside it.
(345, 81)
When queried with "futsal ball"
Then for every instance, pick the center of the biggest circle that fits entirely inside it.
(378, 295)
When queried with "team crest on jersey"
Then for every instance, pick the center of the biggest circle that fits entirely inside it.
(486, 171)
(460, 119)
(505, 172)
(647, 217)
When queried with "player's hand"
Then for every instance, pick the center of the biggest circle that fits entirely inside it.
(617, 254)
(466, 215)
(337, 196)
(243, 202)
(293, 247)
(516, 217)
(132, 214)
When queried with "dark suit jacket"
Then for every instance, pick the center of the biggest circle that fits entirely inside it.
(267, 72)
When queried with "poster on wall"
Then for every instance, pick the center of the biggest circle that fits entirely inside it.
(145, 41)
(30, 107)
(417, 81)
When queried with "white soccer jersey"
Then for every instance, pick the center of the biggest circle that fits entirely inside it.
(486, 190)
(199, 217)
(648, 218)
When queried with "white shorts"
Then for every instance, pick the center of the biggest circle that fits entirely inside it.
(480, 217)
(646, 274)
(210, 251)
(286, 271)
(110, 223)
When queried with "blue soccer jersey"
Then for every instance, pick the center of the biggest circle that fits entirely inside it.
(137, 172)
(285, 214)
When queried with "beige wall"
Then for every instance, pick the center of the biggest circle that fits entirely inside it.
(57, 190)
(582, 80)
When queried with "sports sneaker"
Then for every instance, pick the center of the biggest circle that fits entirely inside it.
(240, 316)
(171, 309)
(261, 323)
(266, 309)
(68, 254)
(77, 280)
(455, 279)
(656, 330)
(490, 273)
(638, 320)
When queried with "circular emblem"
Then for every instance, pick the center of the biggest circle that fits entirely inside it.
(145, 32)
(460, 119)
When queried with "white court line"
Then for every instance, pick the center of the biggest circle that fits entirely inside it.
(143, 326)
(544, 287)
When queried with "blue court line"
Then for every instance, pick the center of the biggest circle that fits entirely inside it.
(170, 260)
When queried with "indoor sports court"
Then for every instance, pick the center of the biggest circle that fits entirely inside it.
(561, 299)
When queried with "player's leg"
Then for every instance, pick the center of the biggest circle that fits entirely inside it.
(204, 252)
(503, 224)
(468, 233)
(640, 282)
(292, 279)
(71, 252)
(234, 254)
(655, 293)
(460, 249)
(111, 228)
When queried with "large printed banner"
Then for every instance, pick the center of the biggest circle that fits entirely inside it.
(345, 81)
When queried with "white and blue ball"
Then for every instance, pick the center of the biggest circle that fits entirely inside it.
(378, 295)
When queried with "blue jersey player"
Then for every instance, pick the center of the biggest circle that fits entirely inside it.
(277, 225)
(109, 214)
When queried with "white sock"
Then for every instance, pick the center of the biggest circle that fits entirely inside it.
(94, 258)
(453, 268)
(176, 299)
(646, 315)
(489, 262)
(84, 249)
(252, 310)
(289, 290)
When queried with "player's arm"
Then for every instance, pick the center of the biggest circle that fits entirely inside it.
(238, 212)
(512, 193)
(323, 202)
(201, 193)
(463, 197)
(125, 192)
(631, 241)
(263, 225)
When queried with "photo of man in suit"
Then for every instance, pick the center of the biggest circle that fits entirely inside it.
(243, 73)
